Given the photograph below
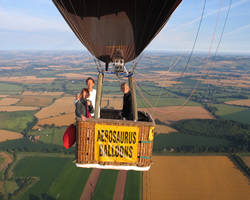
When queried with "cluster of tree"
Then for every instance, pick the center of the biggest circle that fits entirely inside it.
(29, 126)
(43, 150)
(24, 183)
(211, 109)
(234, 131)
(202, 149)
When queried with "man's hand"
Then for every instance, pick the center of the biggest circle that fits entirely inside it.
(77, 97)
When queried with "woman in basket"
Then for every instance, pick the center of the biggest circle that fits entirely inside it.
(84, 107)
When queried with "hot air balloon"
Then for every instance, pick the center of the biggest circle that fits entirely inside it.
(116, 32)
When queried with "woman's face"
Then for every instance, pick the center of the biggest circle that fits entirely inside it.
(85, 95)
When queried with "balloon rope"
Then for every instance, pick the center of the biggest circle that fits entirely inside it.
(198, 79)
(198, 31)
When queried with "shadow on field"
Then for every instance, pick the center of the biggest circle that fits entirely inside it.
(237, 166)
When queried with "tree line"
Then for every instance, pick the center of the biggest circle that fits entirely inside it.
(231, 130)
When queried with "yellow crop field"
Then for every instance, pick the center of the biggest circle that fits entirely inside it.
(62, 120)
(16, 108)
(9, 135)
(187, 112)
(115, 103)
(35, 101)
(243, 102)
(31, 93)
(27, 79)
(52, 93)
(161, 129)
(8, 101)
(194, 177)
(64, 105)
(246, 160)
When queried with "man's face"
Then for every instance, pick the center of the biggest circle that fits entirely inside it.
(90, 84)
(125, 89)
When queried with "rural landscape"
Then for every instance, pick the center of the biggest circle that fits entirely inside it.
(201, 109)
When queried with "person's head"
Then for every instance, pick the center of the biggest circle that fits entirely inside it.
(84, 93)
(90, 83)
(124, 87)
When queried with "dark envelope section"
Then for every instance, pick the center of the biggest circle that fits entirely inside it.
(103, 26)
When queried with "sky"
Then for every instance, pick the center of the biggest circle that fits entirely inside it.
(38, 25)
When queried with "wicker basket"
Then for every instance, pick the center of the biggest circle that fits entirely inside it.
(85, 142)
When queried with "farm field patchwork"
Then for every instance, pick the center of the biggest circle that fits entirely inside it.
(195, 177)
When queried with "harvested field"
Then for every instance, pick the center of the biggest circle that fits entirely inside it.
(246, 160)
(16, 108)
(27, 79)
(3, 95)
(187, 112)
(8, 101)
(161, 129)
(52, 94)
(62, 120)
(195, 177)
(243, 102)
(34, 101)
(9, 135)
(61, 106)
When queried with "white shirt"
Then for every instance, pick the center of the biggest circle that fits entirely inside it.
(92, 98)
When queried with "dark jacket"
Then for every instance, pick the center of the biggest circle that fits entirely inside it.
(81, 108)
(127, 110)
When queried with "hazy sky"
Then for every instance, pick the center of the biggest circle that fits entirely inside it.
(37, 25)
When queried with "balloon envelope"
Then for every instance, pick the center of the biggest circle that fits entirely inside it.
(103, 26)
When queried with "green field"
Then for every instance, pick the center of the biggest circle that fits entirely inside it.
(236, 113)
(241, 116)
(105, 187)
(26, 145)
(59, 178)
(16, 121)
(224, 109)
(133, 185)
(8, 89)
(50, 135)
(183, 140)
